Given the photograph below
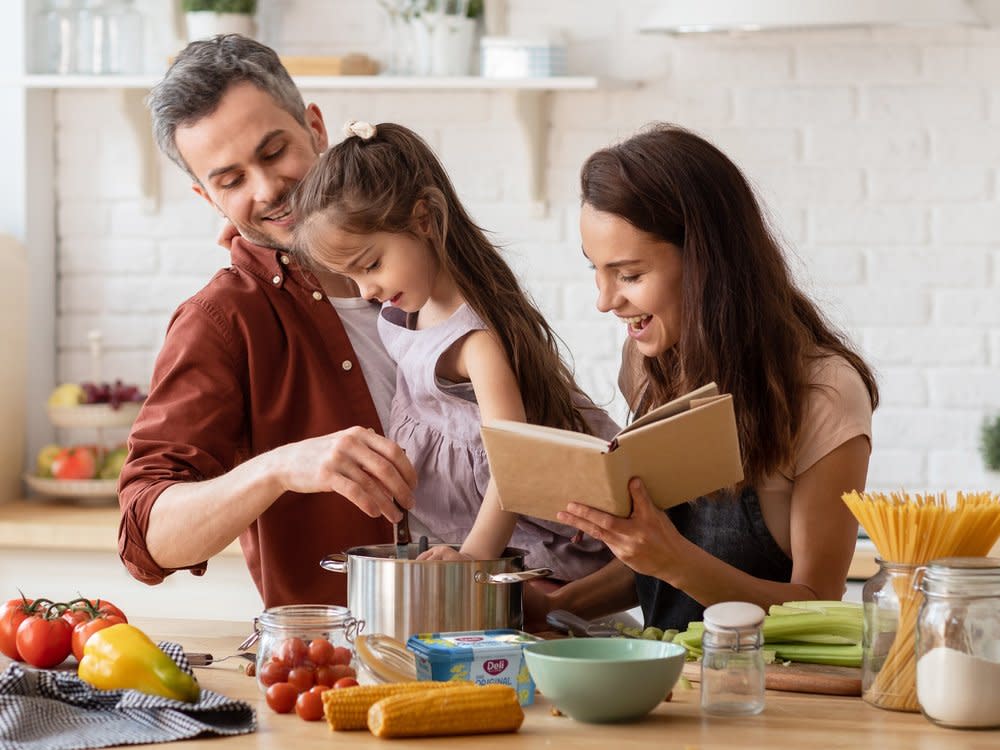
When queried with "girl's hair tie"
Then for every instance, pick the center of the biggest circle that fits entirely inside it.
(360, 128)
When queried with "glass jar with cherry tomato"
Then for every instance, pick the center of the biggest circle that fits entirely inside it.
(305, 645)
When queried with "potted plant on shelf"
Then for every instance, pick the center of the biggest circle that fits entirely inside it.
(206, 18)
(989, 445)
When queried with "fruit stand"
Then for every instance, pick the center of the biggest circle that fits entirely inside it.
(86, 472)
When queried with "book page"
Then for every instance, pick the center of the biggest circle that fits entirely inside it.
(549, 434)
(672, 408)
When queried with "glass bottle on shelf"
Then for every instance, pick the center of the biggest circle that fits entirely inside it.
(110, 37)
(56, 37)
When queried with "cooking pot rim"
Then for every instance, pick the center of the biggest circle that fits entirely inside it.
(510, 553)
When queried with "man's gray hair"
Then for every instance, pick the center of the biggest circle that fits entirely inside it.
(201, 75)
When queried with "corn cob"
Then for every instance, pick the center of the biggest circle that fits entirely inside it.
(463, 710)
(347, 708)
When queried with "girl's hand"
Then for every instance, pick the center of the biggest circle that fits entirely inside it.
(647, 541)
(443, 552)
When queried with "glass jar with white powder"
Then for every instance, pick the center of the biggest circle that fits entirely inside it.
(958, 643)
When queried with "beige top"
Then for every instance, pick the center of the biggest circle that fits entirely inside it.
(837, 409)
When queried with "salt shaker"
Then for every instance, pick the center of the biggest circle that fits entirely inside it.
(732, 663)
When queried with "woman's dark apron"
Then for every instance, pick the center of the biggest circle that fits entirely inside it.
(729, 527)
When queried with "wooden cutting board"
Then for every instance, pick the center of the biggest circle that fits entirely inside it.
(800, 678)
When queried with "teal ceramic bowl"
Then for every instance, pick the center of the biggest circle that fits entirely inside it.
(602, 680)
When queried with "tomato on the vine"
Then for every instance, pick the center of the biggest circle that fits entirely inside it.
(83, 630)
(74, 616)
(87, 609)
(44, 640)
(12, 614)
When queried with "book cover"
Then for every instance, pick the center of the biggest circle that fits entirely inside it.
(681, 450)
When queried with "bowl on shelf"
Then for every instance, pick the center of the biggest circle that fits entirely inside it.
(85, 491)
(602, 680)
(94, 415)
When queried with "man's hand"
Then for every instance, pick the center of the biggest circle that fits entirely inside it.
(366, 468)
(226, 236)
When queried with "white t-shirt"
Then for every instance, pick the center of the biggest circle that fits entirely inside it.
(360, 319)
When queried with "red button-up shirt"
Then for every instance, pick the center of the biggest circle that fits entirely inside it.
(255, 360)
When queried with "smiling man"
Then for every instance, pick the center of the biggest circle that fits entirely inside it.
(265, 411)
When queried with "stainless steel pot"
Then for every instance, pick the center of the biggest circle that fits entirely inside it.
(400, 596)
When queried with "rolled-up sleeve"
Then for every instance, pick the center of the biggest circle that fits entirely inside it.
(189, 428)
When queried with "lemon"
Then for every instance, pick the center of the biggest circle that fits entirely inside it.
(67, 394)
(43, 463)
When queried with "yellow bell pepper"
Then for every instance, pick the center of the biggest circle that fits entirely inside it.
(122, 656)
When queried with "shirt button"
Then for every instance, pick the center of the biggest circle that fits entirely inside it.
(285, 259)
(317, 295)
(276, 280)
(347, 364)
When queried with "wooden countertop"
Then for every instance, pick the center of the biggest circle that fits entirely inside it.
(790, 720)
(52, 524)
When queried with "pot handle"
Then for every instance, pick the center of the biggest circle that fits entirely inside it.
(335, 563)
(515, 577)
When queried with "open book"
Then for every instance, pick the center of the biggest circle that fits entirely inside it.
(681, 450)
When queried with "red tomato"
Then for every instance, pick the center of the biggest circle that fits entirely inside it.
(309, 705)
(74, 616)
(321, 651)
(44, 643)
(84, 630)
(342, 670)
(104, 607)
(326, 675)
(12, 614)
(344, 682)
(341, 655)
(281, 697)
(272, 672)
(292, 651)
(302, 678)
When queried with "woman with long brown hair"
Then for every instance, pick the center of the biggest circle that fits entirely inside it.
(469, 344)
(683, 255)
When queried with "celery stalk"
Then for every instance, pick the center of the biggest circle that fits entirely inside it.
(844, 656)
(822, 632)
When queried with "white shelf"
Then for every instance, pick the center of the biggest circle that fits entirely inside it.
(531, 105)
(342, 83)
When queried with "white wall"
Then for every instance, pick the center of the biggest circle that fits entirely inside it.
(877, 151)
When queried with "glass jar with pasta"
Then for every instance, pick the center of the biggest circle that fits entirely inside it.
(890, 605)
(911, 531)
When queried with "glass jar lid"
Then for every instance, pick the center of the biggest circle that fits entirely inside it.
(962, 576)
(733, 617)
(308, 617)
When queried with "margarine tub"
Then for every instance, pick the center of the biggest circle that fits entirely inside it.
(485, 657)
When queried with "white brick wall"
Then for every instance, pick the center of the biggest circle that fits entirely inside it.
(877, 152)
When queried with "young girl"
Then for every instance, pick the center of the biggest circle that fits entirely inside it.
(683, 257)
(469, 345)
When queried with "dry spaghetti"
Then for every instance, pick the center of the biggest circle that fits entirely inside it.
(914, 530)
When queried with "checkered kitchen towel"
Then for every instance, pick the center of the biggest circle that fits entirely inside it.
(53, 710)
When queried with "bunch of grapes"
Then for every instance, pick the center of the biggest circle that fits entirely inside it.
(113, 394)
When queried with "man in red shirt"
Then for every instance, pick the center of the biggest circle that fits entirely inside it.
(261, 422)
